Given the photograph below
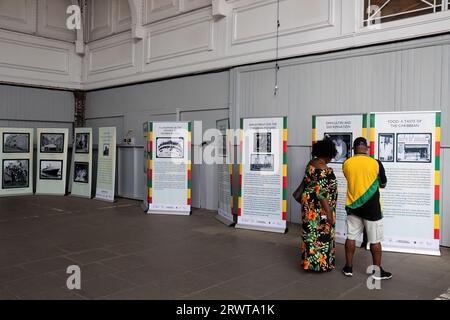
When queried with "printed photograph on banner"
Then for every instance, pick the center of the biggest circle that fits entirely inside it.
(50, 170)
(15, 174)
(81, 172)
(414, 147)
(170, 147)
(16, 142)
(82, 143)
(52, 142)
(105, 150)
(222, 146)
(386, 147)
(262, 142)
(343, 142)
(262, 162)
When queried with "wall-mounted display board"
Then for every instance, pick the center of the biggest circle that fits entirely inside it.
(145, 127)
(16, 161)
(51, 161)
(82, 163)
(224, 172)
(262, 174)
(342, 130)
(106, 165)
(408, 145)
(169, 188)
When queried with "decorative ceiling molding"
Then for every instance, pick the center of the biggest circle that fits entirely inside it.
(137, 9)
(220, 8)
(80, 47)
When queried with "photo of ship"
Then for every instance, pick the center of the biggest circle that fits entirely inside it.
(16, 142)
(51, 169)
(52, 142)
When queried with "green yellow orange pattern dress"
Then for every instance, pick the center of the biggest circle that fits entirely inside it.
(318, 235)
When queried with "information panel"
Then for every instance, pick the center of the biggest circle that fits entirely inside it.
(224, 172)
(262, 175)
(106, 167)
(169, 168)
(82, 163)
(16, 161)
(342, 130)
(52, 161)
(408, 145)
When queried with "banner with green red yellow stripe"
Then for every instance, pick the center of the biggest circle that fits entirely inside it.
(169, 168)
(342, 129)
(408, 146)
(262, 196)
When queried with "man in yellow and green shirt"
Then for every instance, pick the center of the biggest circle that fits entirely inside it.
(365, 176)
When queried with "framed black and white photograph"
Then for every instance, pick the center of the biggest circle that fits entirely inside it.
(386, 147)
(16, 142)
(343, 143)
(414, 147)
(52, 142)
(262, 142)
(262, 162)
(82, 143)
(172, 147)
(81, 172)
(51, 169)
(222, 146)
(105, 151)
(16, 173)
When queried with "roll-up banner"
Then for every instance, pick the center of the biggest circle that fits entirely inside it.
(262, 174)
(106, 167)
(169, 188)
(82, 163)
(342, 130)
(51, 161)
(408, 145)
(16, 161)
(224, 172)
(146, 132)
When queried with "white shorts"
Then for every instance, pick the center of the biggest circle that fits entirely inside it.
(355, 227)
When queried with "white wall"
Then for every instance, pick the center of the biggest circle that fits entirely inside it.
(178, 40)
(36, 48)
(153, 39)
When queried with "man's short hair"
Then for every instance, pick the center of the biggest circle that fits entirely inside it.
(360, 142)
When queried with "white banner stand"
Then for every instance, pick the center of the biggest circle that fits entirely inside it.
(262, 201)
(82, 163)
(224, 173)
(106, 167)
(169, 168)
(52, 161)
(408, 145)
(342, 129)
(16, 161)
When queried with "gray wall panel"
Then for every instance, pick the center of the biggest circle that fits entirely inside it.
(412, 75)
(23, 103)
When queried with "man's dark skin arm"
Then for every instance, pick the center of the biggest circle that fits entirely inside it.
(382, 175)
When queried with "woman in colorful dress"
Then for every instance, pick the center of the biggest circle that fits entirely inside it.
(319, 209)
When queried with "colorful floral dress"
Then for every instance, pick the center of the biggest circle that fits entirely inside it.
(318, 235)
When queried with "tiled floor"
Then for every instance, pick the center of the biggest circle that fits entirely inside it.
(125, 254)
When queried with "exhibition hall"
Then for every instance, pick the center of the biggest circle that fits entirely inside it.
(243, 153)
